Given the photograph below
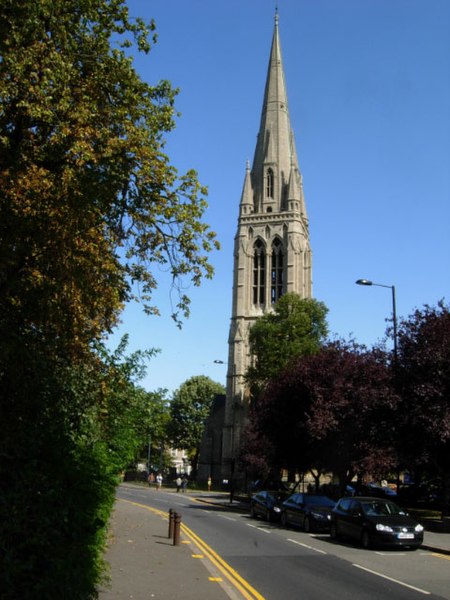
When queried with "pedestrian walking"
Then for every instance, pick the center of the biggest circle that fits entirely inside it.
(158, 482)
(184, 483)
(178, 482)
(209, 483)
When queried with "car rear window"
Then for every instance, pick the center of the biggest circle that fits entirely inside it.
(318, 501)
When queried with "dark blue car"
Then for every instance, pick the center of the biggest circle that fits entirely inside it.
(267, 504)
(309, 511)
(374, 521)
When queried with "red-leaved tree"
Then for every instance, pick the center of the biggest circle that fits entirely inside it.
(328, 412)
(424, 382)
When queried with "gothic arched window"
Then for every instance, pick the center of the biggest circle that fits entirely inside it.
(276, 271)
(259, 273)
(269, 183)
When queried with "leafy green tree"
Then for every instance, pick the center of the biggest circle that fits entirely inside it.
(158, 407)
(125, 413)
(189, 409)
(83, 172)
(128, 416)
(296, 327)
(75, 428)
(90, 209)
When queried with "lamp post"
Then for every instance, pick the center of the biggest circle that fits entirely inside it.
(394, 310)
(149, 452)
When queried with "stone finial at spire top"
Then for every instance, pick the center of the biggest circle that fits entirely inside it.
(276, 14)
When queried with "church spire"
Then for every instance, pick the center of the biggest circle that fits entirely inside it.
(274, 153)
(272, 254)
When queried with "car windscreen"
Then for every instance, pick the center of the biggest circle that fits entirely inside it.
(381, 509)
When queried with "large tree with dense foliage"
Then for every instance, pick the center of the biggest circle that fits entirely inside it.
(83, 171)
(326, 412)
(296, 327)
(90, 207)
(423, 376)
(189, 409)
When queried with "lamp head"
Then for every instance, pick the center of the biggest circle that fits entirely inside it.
(363, 282)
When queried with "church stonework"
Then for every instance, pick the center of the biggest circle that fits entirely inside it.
(272, 254)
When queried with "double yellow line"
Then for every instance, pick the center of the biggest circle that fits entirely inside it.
(232, 576)
(227, 571)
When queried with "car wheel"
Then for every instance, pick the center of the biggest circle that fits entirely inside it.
(252, 512)
(334, 531)
(366, 542)
(268, 516)
(307, 525)
(284, 521)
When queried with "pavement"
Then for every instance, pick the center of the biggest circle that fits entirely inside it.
(144, 563)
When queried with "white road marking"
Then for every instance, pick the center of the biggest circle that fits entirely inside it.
(411, 587)
(258, 528)
(306, 546)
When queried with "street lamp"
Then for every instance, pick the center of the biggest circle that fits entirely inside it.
(219, 362)
(394, 311)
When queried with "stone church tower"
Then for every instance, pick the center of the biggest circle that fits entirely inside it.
(272, 255)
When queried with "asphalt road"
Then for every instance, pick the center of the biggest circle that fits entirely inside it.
(286, 564)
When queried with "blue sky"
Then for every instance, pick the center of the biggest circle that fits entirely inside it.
(368, 85)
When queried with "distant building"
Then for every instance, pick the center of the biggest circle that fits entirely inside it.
(272, 254)
(180, 461)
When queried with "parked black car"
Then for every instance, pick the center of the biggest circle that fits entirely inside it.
(375, 521)
(308, 511)
(267, 504)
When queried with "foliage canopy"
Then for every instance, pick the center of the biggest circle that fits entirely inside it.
(297, 326)
(352, 411)
(423, 379)
(189, 410)
(90, 209)
(326, 412)
(90, 202)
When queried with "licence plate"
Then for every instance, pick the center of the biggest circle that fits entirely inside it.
(405, 536)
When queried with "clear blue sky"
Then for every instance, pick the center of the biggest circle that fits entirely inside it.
(369, 98)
